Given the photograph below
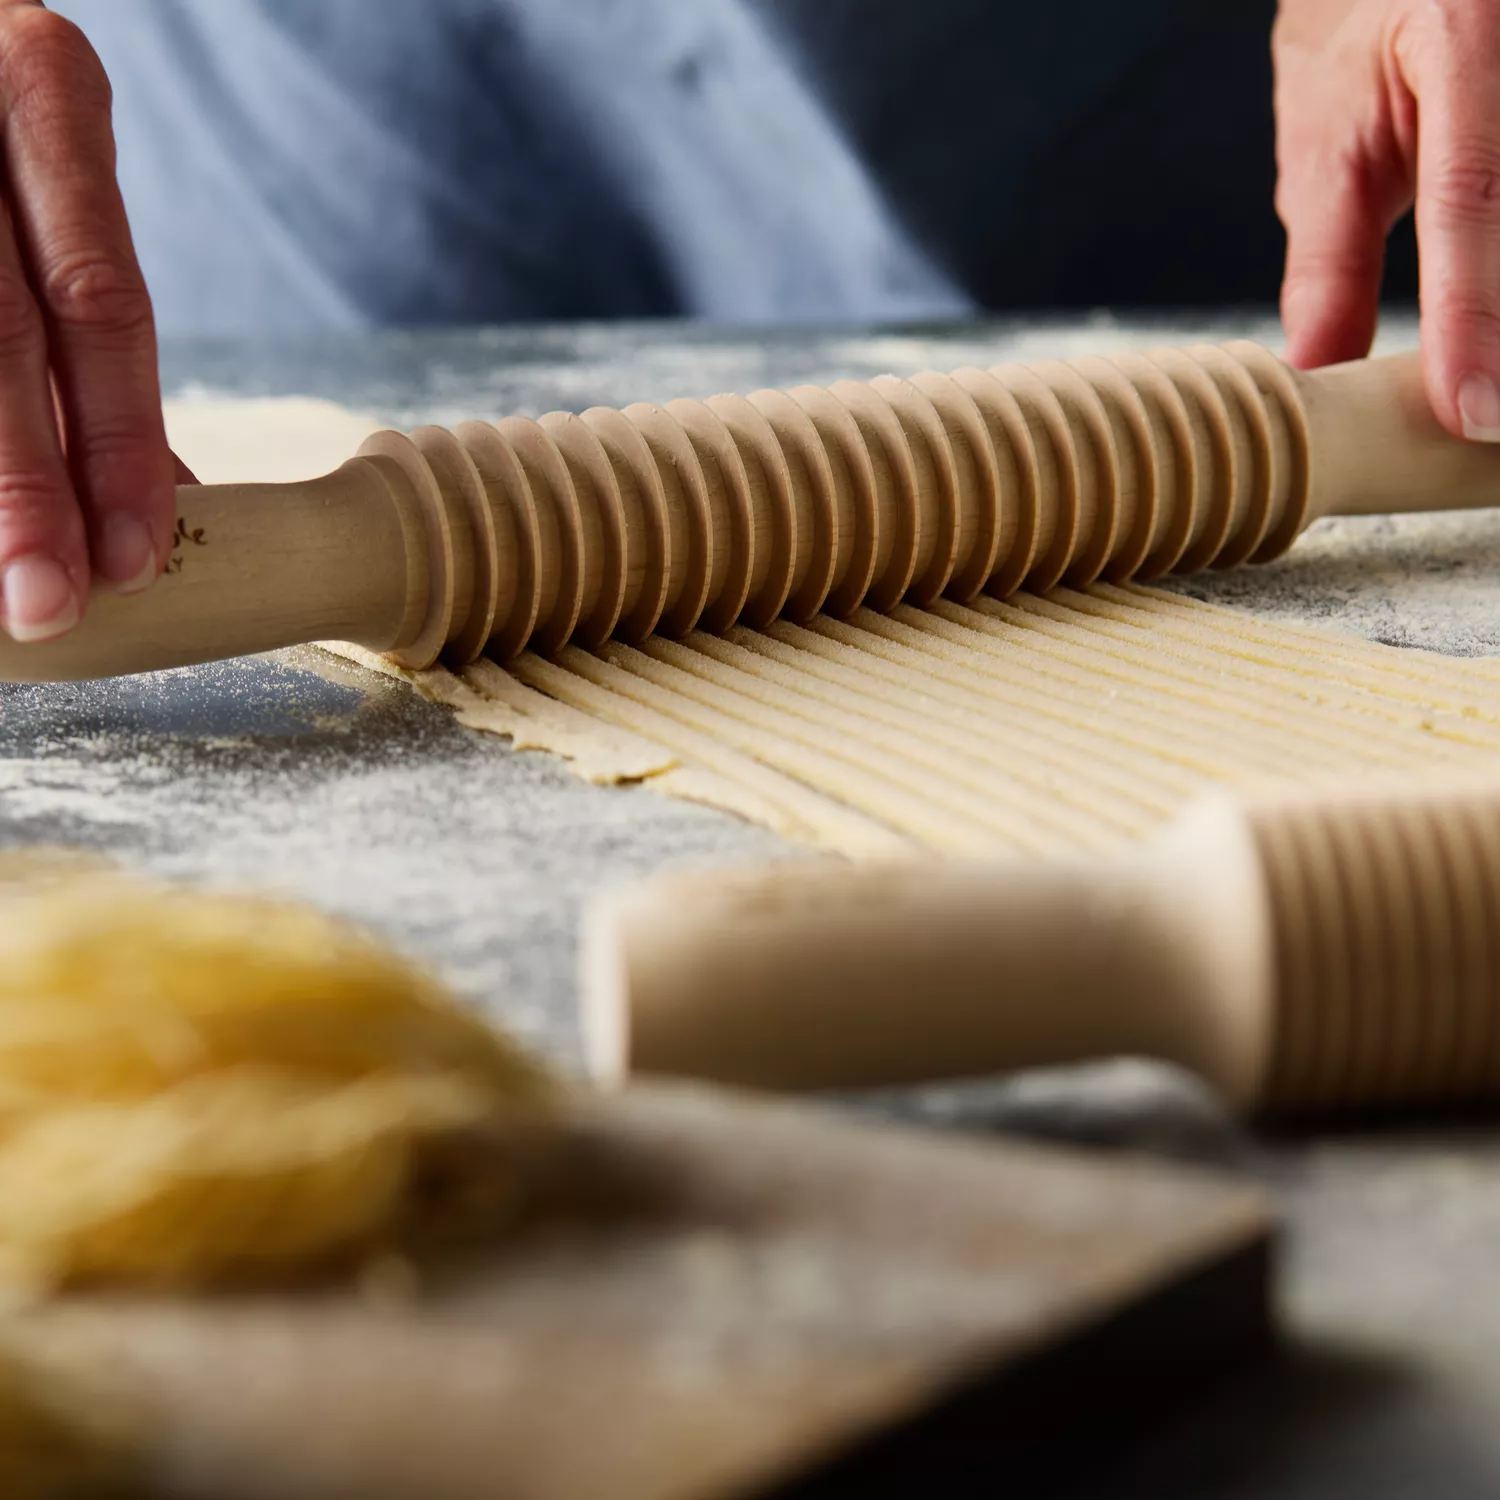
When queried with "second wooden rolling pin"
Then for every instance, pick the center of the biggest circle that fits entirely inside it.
(1305, 953)
(531, 534)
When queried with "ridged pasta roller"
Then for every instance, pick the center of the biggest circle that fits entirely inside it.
(1313, 952)
(532, 534)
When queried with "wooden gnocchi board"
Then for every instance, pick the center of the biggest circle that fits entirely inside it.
(717, 1296)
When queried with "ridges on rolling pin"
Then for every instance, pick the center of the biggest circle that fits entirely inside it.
(1299, 953)
(531, 534)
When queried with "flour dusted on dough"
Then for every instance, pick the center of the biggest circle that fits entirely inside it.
(539, 706)
(1044, 725)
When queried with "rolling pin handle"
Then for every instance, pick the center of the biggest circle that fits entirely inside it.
(819, 974)
(1378, 447)
(257, 567)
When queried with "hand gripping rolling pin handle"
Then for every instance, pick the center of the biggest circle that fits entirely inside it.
(1307, 952)
(528, 535)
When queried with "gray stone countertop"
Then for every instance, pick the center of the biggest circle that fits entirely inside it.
(343, 788)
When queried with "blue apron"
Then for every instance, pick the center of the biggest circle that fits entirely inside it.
(296, 165)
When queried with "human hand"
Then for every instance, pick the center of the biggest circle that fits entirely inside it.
(86, 477)
(1379, 104)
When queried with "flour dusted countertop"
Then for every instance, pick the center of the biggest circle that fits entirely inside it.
(342, 787)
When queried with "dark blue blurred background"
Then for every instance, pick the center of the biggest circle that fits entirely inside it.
(316, 164)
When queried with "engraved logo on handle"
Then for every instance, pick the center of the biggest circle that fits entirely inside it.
(181, 538)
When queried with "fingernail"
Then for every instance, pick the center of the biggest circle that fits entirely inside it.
(126, 555)
(39, 599)
(1479, 408)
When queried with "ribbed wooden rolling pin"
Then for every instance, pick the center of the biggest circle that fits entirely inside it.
(704, 513)
(1306, 953)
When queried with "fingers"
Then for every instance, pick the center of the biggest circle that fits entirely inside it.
(43, 558)
(1341, 181)
(1336, 233)
(1452, 70)
(73, 233)
(44, 572)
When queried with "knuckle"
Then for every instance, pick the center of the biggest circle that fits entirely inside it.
(1470, 311)
(1466, 188)
(32, 506)
(44, 53)
(1307, 267)
(1320, 178)
(1462, 18)
(1440, 20)
(99, 291)
(1457, 40)
(1449, 44)
(127, 456)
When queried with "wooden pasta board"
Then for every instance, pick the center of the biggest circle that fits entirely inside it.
(727, 1297)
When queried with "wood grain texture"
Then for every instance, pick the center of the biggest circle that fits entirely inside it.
(717, 1297)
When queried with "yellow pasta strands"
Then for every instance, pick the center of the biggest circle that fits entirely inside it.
(196, 1086)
